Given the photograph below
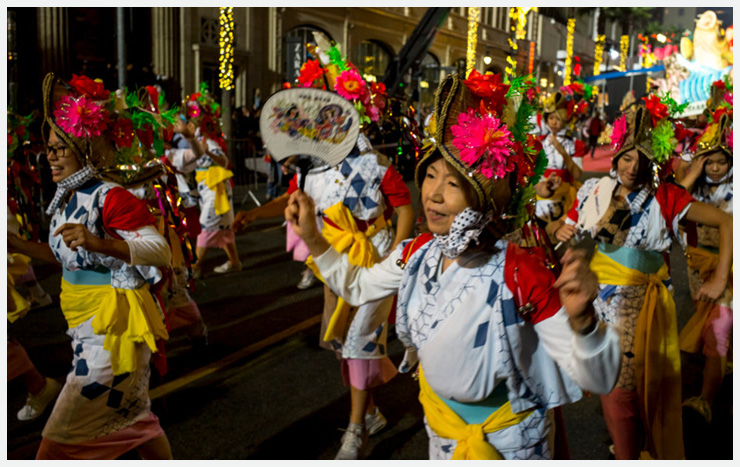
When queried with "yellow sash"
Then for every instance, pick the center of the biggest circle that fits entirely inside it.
(126, 317)
(215, 177)
(657, 358)
(471, 439)
(361, 253)
(17, 267)
(705, 263)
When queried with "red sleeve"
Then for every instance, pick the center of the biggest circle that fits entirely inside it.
(573, 213)
(124, 211)
(672, 200)
(293, 185)
(394, 188)
(530, 280)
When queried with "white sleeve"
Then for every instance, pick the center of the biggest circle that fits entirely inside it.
(592, 361)
(358, 285)
(147, 247)
(184, 160)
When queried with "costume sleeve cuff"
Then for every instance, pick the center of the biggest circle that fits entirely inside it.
(593, 342)
(328, 260)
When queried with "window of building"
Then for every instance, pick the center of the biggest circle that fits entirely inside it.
(371, 59)
(296, 51)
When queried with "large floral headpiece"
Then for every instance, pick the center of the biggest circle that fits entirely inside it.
(117, 133)
(717, 136)
(204, 112)
(582, 95)
(562, 104)
(651, 130)
(334, 72)
(483, 130)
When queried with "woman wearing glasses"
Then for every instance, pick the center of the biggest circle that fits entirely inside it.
(500, 342)
(634, 235)
(109, 249)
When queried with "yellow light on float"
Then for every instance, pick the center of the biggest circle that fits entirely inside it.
(599, 53)
(226, 48)
(473, 15)
(531, 57)
(624, 45)
(569, 50)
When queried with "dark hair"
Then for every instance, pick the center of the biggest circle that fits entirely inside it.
(701, 182)
(644, 173)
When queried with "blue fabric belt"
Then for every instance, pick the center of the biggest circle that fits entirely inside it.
(474, 413)
(98, 276)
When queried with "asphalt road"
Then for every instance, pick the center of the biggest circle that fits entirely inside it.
(263, 389)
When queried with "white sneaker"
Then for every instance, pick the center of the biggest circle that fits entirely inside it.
(36, 405)
(375, 422)
(227, 267)
(353, 441)
(308, 279)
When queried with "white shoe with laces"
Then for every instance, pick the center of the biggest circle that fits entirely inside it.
(227, 267)
(36, 404)
(308, 279)
(375, 422)
(353, 442)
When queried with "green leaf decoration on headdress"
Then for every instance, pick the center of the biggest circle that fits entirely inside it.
(170, 116)
(522, 198)
(335, 57)
(162, 103)
(132, 99)
(664, 141)
(673, 107)
(214, 107)
(728, 83)
(204, 87)
(539, 167)
(142, 119)
(588, 91)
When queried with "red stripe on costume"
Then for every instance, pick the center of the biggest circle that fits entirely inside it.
(124, 211)
(293, 185)
(564, 174)
(581, 148)
(530, 280)
(573, 213)
(394, 188)
(672, 200)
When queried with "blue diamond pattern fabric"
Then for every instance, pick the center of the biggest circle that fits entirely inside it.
(369, 347)
(81, 367)
(509, 311)
(358, 183)
(481, 334)
(94, 390)
(351, 202)
(71, 207)
(368, 202)
(81, 212)
(345, 169)
(78, 349)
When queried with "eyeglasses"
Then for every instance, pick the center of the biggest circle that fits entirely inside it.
(58, 151)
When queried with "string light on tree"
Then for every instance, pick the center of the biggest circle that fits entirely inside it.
(569, 50)
(226, 48)
(531, 57)
(473, 16)
(599, 53)
(624, 45)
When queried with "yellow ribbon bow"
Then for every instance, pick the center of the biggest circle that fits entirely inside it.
(657, 358)
(705, 263)
(215, 177)
(471, 439)
(127, 318)
(346, 237)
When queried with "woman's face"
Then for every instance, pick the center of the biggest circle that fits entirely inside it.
(716, 166)
(554, 122)
(628, 168)
(61, 158)
(442, 197)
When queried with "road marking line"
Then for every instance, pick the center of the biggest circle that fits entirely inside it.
(200, 373)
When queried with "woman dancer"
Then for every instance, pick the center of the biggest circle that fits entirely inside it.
(499, 340)
(643, 412)
(110, 250)
(709, 180)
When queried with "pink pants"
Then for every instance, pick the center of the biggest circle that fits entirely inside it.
(717, 330)
(622, 416)
(107, 447)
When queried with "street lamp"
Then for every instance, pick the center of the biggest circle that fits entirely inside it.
(487, 59)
